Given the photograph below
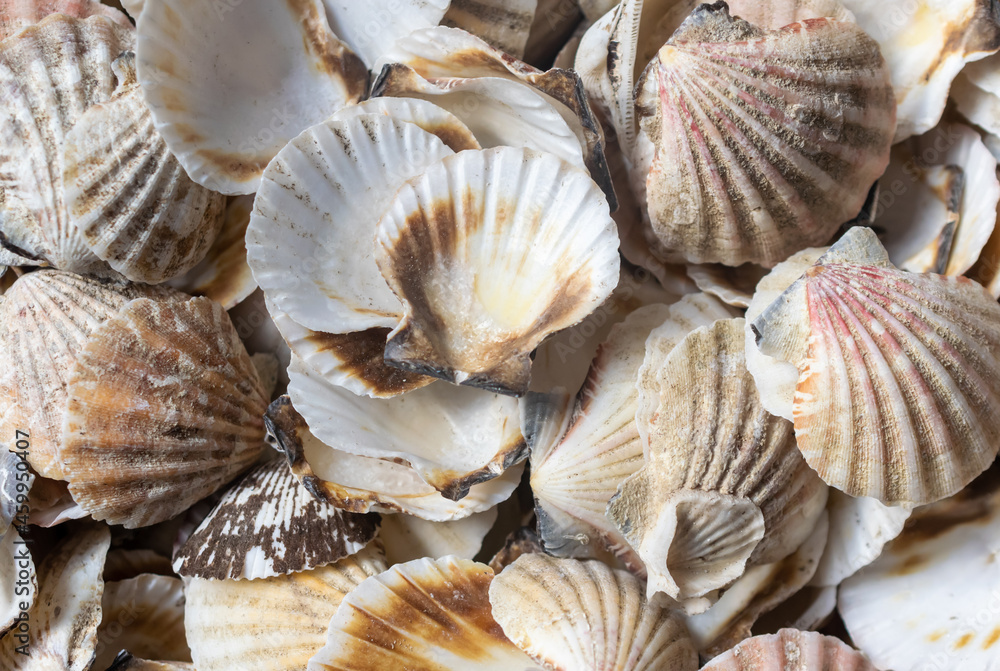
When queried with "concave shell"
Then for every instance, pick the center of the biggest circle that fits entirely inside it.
(400, 619)
(16, 15)
(406, 537)
(930, 598)
(126, 194)
(225, 105)
(18, 579)
(165, 407)
(898, 396)
(144, 615)
(62, 623)
(362, 484)
(791, 650)
(574, 615)
(51, 73)
(763, 143)
(504, 24)
(371, 28)
(478, 298)
(577, 462)
(272, 624)
(709, 446)
(269, 524)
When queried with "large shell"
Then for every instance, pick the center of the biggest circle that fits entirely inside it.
(362, 484)
(750, 163)
(574, 615)
(406, 537)
(712, 446)
(18, 581)
(898, 396)
(791, 650)
(16, 15)
(224, 104)
(127, 195)
(477, 298)
(400, 618)
(165, 407)
(268, 524)
(273, 624)
(66, 63)
(371, 28)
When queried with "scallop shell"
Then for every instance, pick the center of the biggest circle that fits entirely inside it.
(711, 445)
(406, 537)
(435, 120)
(791, 650)
(502, 23)
(144, 615)
(975, 92)
(225, 105)
(127, 195)
(898, 396)
(16, 15)
(477, 299)
(371, 28)
(362, 484)
(574, 615)
(757, 176)
(268, 524)
(51, 504)
(164, 408)
(399, 618)
(62, 623)
(273, 624)
(125, 661)
(18, 581)
(65, 62)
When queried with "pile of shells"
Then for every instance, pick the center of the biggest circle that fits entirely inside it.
(568, 335)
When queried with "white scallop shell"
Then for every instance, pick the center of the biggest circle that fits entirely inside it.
(371, 28)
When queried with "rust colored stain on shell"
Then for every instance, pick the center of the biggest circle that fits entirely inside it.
(332, 57)
(964, 641)
(235, 166)
(361, 354)
(992, 638)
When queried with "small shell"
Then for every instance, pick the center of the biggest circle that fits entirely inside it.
(225, 105)
(371, 28)
(18, 581)
(406, 537)
(504, 24)
(791, 650)
(898, 396)
(164, 408)
(574, 615)
(273, 624)
(477, 299)
(362, 484)
(16, 15)
(760, 175)
(399, 619)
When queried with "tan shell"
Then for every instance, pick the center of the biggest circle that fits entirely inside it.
(16, 15)
(273, 624)
(898, 396)
(165, 407)
(574, 615)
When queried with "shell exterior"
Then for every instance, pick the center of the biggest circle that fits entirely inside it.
(710, 444)
(362, 484)
(18, 580)
(67, 608)
(898, 396)
(503, 24)
(372, 28)
(268, 524)
(127, 195)
(16, 15)
(399, 618)
(165, 407)
(226, 106)
(273, 624)
(477, 298)
(750, 164)
(406, 537)
(791, 650)
(574, 615)
(65, 62)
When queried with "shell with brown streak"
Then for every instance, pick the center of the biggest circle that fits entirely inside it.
(791, 650)
(165, 407)
(16, 15)
(759, 143)
(898, 396)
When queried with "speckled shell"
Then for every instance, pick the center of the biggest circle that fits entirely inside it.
(273, 624)
(745, 167)
(574, 615)
(399, 619)
(898, 396)
(477, 299)
(791, 650)
(128, 197)
(65, 62)
(16, 15)
(268, 524)
(165, 407)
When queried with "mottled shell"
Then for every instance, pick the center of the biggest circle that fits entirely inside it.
(165, 407)
(478, 299)
(406, 537)
(400, 618)
(18, 579)
(574, 615)
(225, 105)
(16, 15)
(791, 650)
(269, 524)
(128, 197)
(273, 624)
(898, 396)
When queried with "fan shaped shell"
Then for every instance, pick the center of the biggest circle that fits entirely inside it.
(791, 650)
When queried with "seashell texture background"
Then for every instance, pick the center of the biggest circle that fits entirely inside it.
(461, 335)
